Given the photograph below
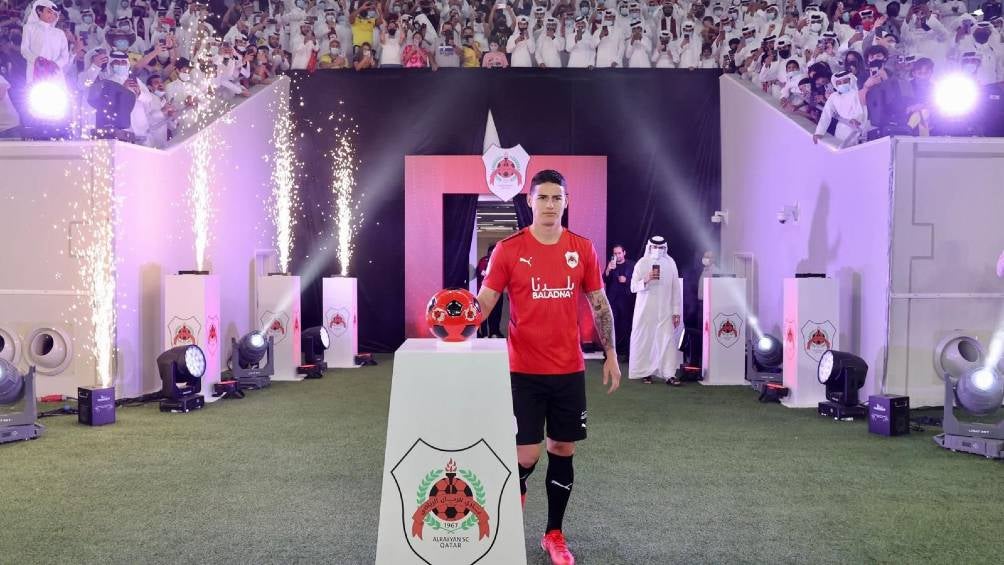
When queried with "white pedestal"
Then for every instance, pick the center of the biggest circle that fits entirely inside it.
(724, 329)
(192, 317)
(278, 315)
(450, 406)
(340, 299)
(811, 326)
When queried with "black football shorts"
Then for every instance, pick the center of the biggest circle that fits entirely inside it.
(555, 401)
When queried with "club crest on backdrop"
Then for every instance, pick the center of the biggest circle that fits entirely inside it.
(727, 327)
(184, 331)
(275, 325)
(818, 337)
(337, 321)
(450, 500)
(505, 170)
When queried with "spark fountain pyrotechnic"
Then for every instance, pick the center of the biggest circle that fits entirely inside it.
(285, 200)
(346, 209)
(97, 257)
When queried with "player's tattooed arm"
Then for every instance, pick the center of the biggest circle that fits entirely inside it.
(604, 318)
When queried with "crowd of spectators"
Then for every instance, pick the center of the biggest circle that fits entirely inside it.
(859, 69)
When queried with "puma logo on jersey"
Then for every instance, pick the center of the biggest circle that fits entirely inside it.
(526, 260)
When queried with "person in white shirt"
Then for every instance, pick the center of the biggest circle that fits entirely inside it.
(609, 47)
(520, 44)
(638, 48)
(302, 46)
(662, 55)
(549, 45)
(9, 119)
(44, 46)
(845, 106)
(687, 49)
(581, 46)
(392, 41)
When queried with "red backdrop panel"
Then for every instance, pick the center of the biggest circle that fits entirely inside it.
(428, 178)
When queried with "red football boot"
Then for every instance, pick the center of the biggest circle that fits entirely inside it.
(554, 544)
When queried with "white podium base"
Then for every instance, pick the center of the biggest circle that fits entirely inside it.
(192, 317)
(340, 301)
(724, 331)
(811, 326)
(278, 315)
(450, 482)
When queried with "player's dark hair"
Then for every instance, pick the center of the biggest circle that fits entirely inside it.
(547, 175)
(616, 245)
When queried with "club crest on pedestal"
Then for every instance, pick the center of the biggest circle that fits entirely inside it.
(727, 328)
(337, 321)
(184, 331)
(275, 325)
(450, 501)
(817, 337)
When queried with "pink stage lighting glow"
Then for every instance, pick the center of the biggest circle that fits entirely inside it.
(956, 94)
(49, 100)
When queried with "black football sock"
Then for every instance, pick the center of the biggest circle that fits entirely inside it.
(524, 472)
(560, 475)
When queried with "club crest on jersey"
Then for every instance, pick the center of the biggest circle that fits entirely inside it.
(572, 258)
(542, 291)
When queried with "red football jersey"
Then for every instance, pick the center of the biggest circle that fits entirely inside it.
(544, 283)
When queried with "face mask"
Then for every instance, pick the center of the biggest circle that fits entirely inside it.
(816, 28)
(584, 11)
(843, 88)
(706, 262)
(371, 14)
(184, 76)
(792, 74)
(846, 17)
(121, 44)
(88, 20)
(159, 93)
(624, 11)
(342, 20)
(654, 253)
(971, 68)
(120, 71)
(771, 16)
(164, 58)
(301, 5)
(867, 26)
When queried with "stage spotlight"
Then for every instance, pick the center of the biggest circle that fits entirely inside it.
(842, 374)
(49, 100)
(17, 404)
(980, 391)
(181, 370)
(956, 94)
(245, 360)
(764, 358)
(314, 342)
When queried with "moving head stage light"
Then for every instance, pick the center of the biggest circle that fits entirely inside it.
(181, 370)
(245, 360)
(764, 360)
(975, 388)
(17, 404)
(843, 374)
(313, 342)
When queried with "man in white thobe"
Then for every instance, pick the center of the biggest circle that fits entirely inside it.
(655, 337)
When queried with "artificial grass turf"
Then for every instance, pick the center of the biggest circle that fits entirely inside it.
(668, 475)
